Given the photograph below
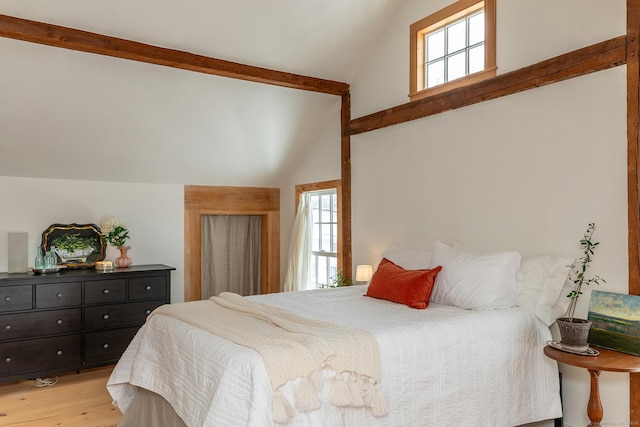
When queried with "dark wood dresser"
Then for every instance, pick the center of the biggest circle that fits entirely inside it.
(75, 319)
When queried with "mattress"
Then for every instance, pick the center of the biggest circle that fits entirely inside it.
(439, 366)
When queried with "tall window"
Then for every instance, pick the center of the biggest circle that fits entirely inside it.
(325, 251)
(324, 247)
(453, 47)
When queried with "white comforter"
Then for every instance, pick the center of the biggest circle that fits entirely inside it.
(442, 366)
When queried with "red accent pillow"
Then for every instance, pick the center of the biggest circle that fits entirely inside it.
(410, 287)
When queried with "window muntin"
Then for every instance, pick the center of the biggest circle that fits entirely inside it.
(453, 47)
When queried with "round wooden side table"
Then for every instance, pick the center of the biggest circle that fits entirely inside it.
(607, 360)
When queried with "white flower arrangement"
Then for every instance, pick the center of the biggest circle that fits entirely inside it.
(114, 231)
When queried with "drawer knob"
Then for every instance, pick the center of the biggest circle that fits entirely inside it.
(147, 288)
(59, 295)
(7, 327)
(105, 346)
(59, 321)
(147, 311)
(7, 299)
(7, 359)
(59, 353)
(105, 317)
(105, 291)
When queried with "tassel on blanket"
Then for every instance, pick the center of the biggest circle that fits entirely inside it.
(356, 387)
(282, 410)
(379, 407)
(370, 392)
(340, 395)
(306, 397)
(316, 378)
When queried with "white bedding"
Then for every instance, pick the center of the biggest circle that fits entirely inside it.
(442, 366)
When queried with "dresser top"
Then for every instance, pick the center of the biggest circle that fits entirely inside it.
(83, 273)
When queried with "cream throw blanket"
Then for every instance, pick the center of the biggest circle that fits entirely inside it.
(293, 346)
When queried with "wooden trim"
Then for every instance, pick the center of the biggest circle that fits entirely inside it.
(600, 56)
(84, 41)
(345, 158)
(327, 185)
(445, 16)
(454, 84)
(204, 200)
(633, 174)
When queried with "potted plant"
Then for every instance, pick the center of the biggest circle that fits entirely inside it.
(340, 280)
(116, 234)
(574, 331)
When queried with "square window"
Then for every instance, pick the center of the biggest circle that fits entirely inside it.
(451, 44)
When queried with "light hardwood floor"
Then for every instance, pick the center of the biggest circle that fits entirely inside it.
(77, 400)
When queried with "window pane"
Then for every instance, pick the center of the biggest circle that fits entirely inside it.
(325, 203)
(476, 59)
(323, 279)
(315, 246)
(334, 207)
(333, 267)
(334, 242)
(476, 29)
(435, 74)
(435, 45)
(456, 66)
(456, 36)
(326, 238)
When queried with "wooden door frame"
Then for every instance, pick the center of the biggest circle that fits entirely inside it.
(205, 200)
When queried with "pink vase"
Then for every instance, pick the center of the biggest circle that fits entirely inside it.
(123, 261)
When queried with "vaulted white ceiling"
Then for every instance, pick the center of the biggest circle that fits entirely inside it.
(75, 115)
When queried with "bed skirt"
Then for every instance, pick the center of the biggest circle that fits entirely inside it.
(149, 409)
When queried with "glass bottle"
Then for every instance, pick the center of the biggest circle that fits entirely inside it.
(50, 260)
(39, 262)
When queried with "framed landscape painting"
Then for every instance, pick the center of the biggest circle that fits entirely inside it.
(615, 321)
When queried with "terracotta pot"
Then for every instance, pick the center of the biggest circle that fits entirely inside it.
(123, 261)
(574, 333)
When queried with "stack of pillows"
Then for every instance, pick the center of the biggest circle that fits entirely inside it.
(465, 278)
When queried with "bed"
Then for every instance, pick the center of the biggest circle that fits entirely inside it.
(443, 365)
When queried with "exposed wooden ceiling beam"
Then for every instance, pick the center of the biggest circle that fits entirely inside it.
(84, 41)
(593, 58)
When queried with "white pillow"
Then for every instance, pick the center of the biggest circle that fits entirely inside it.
(544, 278)
(477, 281)
(409, 259)
(461, 247)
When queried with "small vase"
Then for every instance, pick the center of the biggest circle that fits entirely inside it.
(123, 261)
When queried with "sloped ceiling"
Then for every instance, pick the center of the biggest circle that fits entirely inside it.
(74, 115)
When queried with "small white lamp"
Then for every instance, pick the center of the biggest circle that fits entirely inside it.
(363, 273)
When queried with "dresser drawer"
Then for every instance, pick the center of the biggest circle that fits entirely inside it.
(101, 291)
(147, 287)
(105, 346)
(27, 325)
(44, 354)
(53, 295)
(13, 298)
(118, 315)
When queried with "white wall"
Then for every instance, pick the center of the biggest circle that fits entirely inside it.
(526, 171)
(154, 215)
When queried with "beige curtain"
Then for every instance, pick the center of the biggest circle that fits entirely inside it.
(297, 278)
(230, 254)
